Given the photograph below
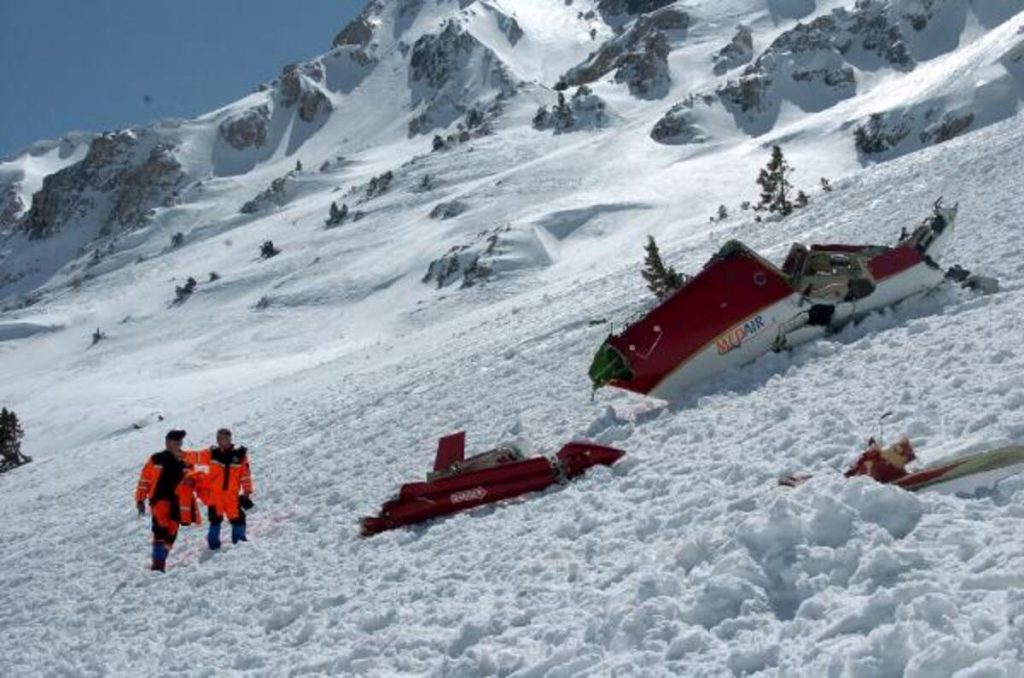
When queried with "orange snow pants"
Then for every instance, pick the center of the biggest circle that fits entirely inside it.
(165, 522)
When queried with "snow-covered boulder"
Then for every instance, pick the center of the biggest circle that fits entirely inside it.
(638, 56)
(123, 176)
(738, 51)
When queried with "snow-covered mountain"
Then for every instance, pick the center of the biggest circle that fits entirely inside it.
(501, 163)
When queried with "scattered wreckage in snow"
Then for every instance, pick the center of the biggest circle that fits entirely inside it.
(740, 306)
(457, 483)
(962, 475)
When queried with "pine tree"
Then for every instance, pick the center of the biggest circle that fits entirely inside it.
(801, 200)
(11, 434)
(660, 280)
(825, 185)
(337, 215)
(298, 165)
(774, 183)
(540, 118)
(183, 292)
(267, 250)
(562, 112)
(438, 143)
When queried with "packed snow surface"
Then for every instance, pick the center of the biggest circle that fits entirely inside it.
(339, 368)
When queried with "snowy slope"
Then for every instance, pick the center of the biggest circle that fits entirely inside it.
(339, 367)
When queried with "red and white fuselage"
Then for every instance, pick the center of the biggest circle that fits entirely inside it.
(740, 306)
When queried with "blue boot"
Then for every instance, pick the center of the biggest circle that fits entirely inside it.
(238, 533)
(213, 537)
(160, 552)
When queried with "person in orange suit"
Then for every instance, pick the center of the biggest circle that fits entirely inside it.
(886, 464)
(228, 488)
(169, 482)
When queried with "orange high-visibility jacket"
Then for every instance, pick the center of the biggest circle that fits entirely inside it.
(200, 474)
(165, 478)
(229, 474)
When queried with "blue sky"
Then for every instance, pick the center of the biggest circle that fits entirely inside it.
(91, 64)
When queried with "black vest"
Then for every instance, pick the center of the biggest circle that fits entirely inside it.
(172, 472)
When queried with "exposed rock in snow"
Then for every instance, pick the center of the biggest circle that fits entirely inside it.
(739, 51)
(11, 206)
(614, 8)
(680, 125)
(880, 133)
(378, 185)
(359, 31)
(949, 126)
(122, 178)
(811, 64)
(471, 263)
(448, 72)
(583, 110)
(300, 84)
(508, 26)
(275, 195)
(246, 129)
(448, 210)
(639, 56)
(989, 91)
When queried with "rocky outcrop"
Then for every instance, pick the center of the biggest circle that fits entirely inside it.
(885, 135)
(299, 85)
(881, 133)
(438, 58)
(246, 129)
(443, 80)
(811, 64)
(448, 210)
(619, 7)
(122, 178)
(680, 125)
(11, 207)
(638, 56)
(508, 26)
(467, 264)
(946, 128)
(739, 51)
(359, 31)
(273, 196)
(583, 110)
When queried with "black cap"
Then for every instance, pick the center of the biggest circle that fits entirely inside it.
(224, 432)
(175, 434)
